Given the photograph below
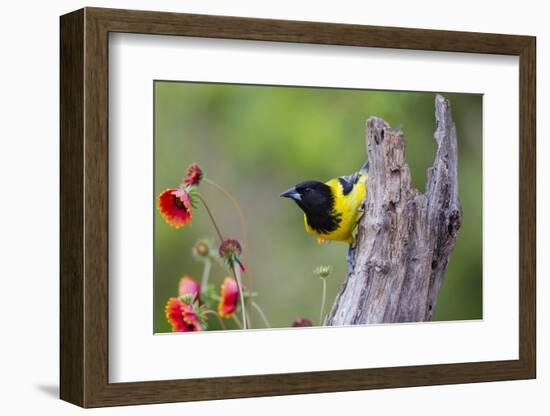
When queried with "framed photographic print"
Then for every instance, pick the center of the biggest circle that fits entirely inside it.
(255, 207)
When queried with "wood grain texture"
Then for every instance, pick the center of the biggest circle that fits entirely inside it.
(71, 216)
(96, 209)
(527, 208)
(227, 27)
(405, 237)
(84, 206)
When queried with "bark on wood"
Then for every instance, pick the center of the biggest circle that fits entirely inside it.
(405, 237)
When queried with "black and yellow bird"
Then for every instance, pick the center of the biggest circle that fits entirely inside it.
(331, 209)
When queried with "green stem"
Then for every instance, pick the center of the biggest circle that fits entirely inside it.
(206, 273)
(237, 275)
(237, 208)
(244, 228)
(211, 217)
(217, 316)
(323, 302)
(248, 315)
(237, 321)
(261, 313)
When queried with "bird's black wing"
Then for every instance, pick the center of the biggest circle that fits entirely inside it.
(348, 182)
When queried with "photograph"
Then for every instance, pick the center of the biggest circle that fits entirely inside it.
(304, 206)
(259, 193)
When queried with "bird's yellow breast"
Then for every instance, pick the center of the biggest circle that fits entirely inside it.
(347, 207)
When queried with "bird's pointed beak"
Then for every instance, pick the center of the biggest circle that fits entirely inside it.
(292, 193)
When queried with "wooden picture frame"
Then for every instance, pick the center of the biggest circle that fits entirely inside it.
(84, 207)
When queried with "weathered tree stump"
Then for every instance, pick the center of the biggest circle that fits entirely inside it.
(405, 237)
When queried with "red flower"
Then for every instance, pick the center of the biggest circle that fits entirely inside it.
(175, 206)
(229, 298)
(182, 316)
(231, 250)
(194, 175)
(188, 286)
(302, 322)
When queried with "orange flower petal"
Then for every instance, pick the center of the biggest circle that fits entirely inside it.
(175, 206)
(191, 319)
(182, 316)
(229, 298)
(174, 314)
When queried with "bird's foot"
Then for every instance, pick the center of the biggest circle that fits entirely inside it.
(321, 240)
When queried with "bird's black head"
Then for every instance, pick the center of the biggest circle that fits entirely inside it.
(312, 197)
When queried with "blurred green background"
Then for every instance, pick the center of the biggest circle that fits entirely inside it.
(257, 141)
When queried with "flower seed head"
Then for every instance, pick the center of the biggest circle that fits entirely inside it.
(201, 249)
(230, 251)
(323, 271)
(194, 175)
(230, 248)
